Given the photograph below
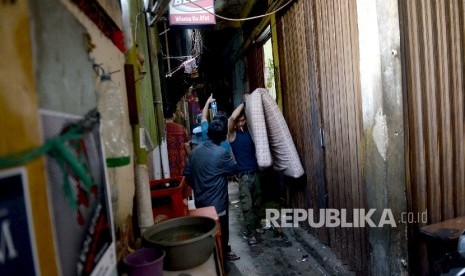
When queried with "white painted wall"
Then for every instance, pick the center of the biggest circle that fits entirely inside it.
(65, 63)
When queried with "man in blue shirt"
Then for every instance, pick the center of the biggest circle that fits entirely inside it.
(207, 173)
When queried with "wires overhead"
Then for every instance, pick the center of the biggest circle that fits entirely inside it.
(242, 19)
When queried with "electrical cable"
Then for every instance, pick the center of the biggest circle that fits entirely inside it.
(224, 18)
(246, 18)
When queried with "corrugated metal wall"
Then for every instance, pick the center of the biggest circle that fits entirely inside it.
(434, 51)
(434, 38)
(300, 108)
(322, 87)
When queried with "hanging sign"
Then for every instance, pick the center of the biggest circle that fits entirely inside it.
(192, 12)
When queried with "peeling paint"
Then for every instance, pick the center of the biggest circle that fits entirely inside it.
(380, 133)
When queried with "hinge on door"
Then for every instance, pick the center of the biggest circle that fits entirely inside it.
(322, 138)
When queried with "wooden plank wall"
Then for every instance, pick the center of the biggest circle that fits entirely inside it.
(321, 87)
(433, 34)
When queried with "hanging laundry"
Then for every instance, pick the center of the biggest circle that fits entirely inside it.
(189, 65)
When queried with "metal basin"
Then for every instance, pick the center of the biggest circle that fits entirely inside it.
(187, 241)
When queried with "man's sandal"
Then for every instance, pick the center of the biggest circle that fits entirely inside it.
(232, 256)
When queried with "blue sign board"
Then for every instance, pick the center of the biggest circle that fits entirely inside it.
(16, 244)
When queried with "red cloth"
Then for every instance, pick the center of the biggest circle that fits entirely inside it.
(176, 136)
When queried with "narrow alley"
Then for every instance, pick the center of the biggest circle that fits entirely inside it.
(352, 110)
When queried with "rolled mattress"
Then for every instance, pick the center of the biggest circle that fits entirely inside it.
(256, 124)
(272, 133)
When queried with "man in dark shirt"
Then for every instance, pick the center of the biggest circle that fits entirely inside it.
(250, 191)
(207, 173)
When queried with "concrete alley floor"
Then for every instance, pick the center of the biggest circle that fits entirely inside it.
(283, 252)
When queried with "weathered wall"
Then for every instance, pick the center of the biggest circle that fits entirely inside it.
(66, 78)
(383, 128)
(121, 179)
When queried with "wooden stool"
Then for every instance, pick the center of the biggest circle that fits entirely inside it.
(210, 212)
